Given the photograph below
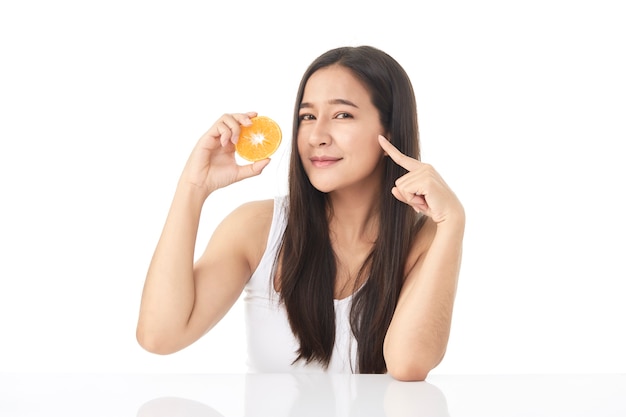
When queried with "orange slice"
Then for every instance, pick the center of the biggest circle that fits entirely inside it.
(259, 140)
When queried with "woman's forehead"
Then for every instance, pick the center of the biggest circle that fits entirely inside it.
(334, 85)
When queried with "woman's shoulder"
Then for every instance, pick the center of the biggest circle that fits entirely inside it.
(246, 229)
(253, 215)
(255, 207)
(253, 222)
(261, 211)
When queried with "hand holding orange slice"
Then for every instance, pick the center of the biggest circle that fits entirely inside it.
(259, 140)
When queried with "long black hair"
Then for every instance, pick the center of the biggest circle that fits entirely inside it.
(306, 261)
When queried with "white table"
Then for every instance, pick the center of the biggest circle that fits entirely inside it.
(322, 395)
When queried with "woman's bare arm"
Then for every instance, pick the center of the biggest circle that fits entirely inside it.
(181, 301)
(419, 330)
(418, 335)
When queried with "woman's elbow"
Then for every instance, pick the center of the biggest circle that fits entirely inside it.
(154, 343)
(405, 366)
(408, 372)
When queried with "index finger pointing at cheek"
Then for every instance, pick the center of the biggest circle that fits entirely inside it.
(398, 157)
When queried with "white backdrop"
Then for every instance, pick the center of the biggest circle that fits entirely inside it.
(521, 108)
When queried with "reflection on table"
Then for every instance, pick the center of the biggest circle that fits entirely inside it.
(302, 395)
(316, 395)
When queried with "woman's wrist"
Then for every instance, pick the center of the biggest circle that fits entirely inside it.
(192, 193)
(453, 223)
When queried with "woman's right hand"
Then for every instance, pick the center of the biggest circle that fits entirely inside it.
(212, 164)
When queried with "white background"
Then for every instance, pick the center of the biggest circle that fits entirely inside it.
(521, 107)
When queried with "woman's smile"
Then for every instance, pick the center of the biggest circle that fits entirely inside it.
(324, 161)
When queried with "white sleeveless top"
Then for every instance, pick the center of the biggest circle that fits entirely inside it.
(271, 344)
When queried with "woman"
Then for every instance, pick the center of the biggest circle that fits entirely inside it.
(354, 271)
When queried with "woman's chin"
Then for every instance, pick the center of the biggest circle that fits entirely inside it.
(323, 187)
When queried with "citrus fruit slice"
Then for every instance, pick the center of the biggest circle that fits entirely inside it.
(259, 140)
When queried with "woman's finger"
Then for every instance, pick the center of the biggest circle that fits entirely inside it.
(242, 119)
(398, 157)
(224, 131)
(228, 127)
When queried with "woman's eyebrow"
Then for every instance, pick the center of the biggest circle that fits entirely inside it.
(332, 101)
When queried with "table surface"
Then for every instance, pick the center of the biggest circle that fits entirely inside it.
(276, 395)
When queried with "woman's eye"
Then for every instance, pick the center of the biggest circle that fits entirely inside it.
(343, 115)
(306, 117)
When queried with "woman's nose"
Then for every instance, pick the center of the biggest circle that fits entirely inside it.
(319, 134)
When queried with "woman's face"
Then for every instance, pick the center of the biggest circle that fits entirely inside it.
(338, 132)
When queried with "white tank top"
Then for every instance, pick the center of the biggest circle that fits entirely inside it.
(271, 344)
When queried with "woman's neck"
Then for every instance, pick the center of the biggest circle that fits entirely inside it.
(353, 228)
(353, 216)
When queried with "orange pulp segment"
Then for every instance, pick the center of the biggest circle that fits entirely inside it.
(259, 140)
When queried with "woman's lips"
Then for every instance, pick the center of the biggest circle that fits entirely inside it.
(323, 161)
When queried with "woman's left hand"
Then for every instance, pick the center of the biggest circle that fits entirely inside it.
(423, 188)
